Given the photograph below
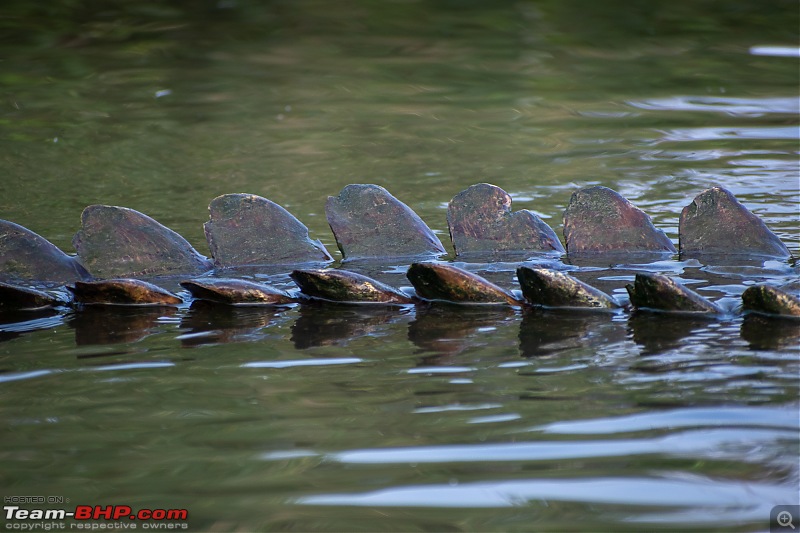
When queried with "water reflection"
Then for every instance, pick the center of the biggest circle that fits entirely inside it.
(438, 330)
(116, 324)
(659, 332)
(210, 323)
(14, 323)
(770, 333)
(442, 331)
(326, 324)
(549, 332)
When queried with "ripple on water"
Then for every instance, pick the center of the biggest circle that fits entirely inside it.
(46, 322)
(457, 407)
(16, 376)
(734, 443)
(728, 502)
(724, 133)
(722, 416)
(303, 362)
(775, 51)
(131, 366)
(721, 104)
(440, 370)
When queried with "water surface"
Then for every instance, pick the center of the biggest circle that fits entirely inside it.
(343, 418)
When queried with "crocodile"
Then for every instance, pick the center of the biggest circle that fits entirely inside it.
(125, 257)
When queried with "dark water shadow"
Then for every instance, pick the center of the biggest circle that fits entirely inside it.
(14, 324)
(442, 330)
(770, 332)
(109, 324)
(658, 332)
(547, 332)
(328, 323)
(212, 323)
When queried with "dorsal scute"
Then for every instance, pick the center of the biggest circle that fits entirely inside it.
(248, 230)
(368, 222)
(481, 222)
(122, 242)
(716, 223)
(600, 220)
(27, 256)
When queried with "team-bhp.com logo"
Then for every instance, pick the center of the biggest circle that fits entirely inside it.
(94, 517)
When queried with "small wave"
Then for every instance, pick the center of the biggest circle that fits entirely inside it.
(676, 418)
(132, 366)
(775, 51)
(731, 500)
(441, 370)
(720, 104)
(303, 362)
(720, 133)
(16, 376)
(711, 443)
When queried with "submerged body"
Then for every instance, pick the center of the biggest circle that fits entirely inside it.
(346, 286)
(122, 292)
(770, 300)
(439, 281)
(236, 291)
(549, 288)
(656, 292)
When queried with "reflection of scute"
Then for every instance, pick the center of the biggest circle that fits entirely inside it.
(765, 333)
(446, 329)
(659, 333)
(326, 325)
(544, 333)
(207, 323)
(116, 325)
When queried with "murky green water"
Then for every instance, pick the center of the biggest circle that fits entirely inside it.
(401, 419)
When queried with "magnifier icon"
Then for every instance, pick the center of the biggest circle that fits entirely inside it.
(785, 519)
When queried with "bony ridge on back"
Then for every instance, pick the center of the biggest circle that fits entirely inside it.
(369, 224)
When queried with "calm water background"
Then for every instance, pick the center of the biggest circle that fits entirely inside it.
(396, 419)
